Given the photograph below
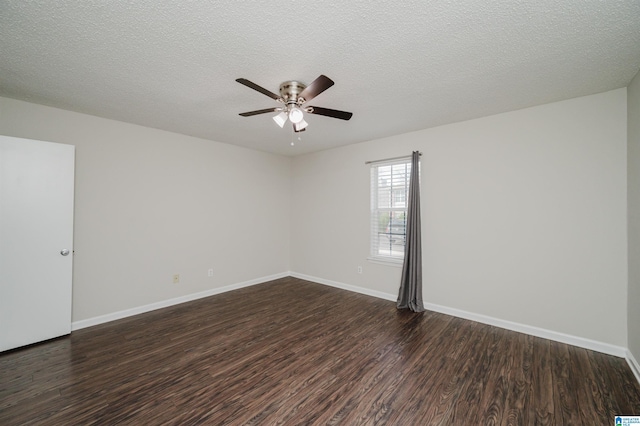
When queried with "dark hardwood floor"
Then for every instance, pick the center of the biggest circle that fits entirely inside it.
(298, 353)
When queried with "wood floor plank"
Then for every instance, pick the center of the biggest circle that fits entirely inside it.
(515, 371)
(292, 352)
(615, 390)
(565, 400)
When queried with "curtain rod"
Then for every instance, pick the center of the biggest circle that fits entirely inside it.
(389, 159)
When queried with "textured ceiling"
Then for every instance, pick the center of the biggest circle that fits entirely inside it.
(398, 65)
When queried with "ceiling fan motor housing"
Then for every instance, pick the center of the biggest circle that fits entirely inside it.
(290, 90)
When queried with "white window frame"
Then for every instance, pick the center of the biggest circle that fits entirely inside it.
(399, 178)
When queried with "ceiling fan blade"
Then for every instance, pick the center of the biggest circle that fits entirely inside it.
(334, 113)
(316, 87)
(258, 88)
(260, 111)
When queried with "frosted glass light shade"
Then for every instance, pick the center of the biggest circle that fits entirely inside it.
(301, 125)
(296, 115)
(280, 119)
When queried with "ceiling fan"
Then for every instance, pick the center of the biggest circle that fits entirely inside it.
(293, 95)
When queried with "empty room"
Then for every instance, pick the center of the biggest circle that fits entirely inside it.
(301, 213)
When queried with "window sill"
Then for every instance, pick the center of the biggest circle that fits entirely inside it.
(387, 261)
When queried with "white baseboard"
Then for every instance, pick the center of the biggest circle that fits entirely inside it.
(633, 364)
(77, 325)
(520, 328)
(355, 289)
(581, 342)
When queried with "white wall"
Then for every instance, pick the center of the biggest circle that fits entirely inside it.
(150, 204)
(523, 215)
(633, 179)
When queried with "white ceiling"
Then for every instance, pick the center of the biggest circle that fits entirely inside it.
(398, 65)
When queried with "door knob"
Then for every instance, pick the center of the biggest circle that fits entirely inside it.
(64, 252)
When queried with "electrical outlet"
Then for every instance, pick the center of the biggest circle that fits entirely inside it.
(210, 272)
(176, 279)
(359, 269)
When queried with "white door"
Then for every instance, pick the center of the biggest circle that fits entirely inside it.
(36, 230)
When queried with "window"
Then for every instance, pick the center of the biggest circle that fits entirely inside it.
(389, 195)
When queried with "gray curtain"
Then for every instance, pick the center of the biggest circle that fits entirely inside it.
(410, 295)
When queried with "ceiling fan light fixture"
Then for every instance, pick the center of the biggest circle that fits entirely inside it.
(293, 96)
(300, 126)
(296, 115)
(280, 119)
